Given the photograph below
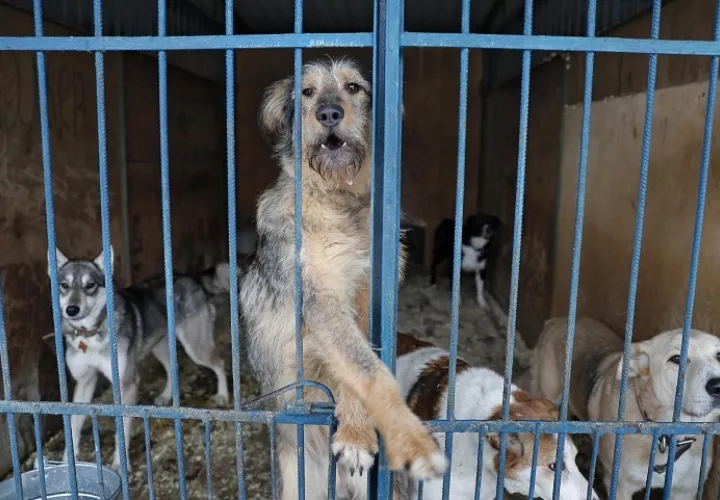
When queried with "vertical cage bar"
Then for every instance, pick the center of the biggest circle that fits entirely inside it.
(208, 460)
(332, 465)
(707, 446)
(108, 260)
(232, 245)
(167, 242)
(98, 454)
(297, 128)
(148, 458)
(52, 244)
(480, 464)
(272, 429)
(7, 396)
(637, 244)
(695, 260)
(459, 205)
(651, 465)
(593, 464)
(39, 453)
(577, 244)
(387, 136)
(533, 470)
(517, 241)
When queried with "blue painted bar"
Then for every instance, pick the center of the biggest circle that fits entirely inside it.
(232, 245)
(167, 242)
(517, 242)
(297, 143)
(148, 458)
(480, 460)
(8, 395)
(98, 453)
(459, 205)
(593, 465)
(189, 42)
(272, 429)
(39, 449)
(577, 243)
(533, 471)
(651, 465)
(707, 447)
(695, 259)
(52, 244)
(208, 460)
(107, 254)
(637, 243)
(408, 39)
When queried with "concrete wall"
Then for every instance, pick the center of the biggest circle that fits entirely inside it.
(198, 181)
(429, 151)
(553, 137)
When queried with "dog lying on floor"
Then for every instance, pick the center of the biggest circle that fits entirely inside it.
(335, 261)
(652, 377)
(422, 372)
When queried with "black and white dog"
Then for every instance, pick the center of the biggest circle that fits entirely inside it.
(477, 234)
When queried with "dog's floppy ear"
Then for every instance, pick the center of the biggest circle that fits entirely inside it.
(59, 257)
(638, 364)
(514, 453)
(276, 109)
(100, 259)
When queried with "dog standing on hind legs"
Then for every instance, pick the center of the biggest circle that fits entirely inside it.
(140, 319)
(335, 262)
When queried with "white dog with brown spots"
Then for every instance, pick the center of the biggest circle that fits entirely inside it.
(653, 369)
(422, 373)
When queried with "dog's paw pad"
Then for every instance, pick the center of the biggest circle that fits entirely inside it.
(353, 457)
(221, 399)
(430, 466)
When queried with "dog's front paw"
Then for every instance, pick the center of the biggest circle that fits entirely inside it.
(354, 448)
(417, 452)
(163, 400)
(116, 464)
(221, 400)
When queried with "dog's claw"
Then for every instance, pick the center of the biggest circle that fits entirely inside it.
(361, 471)
(352, 471)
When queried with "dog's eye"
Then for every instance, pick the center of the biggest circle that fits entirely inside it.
(90, 286)
(675, 359)
(64, 286)
(308, 91)
(353, 88)
(552, 466)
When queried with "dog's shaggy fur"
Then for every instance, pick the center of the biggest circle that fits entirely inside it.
(335, 263)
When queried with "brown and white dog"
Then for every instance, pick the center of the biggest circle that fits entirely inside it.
(335, 262)
(423, 372)
(652, 378)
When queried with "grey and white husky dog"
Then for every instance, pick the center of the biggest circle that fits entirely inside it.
(141, 327)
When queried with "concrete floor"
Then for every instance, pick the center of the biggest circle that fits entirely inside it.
(423, 311)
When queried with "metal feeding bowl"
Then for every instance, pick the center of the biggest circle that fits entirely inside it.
(57, 483)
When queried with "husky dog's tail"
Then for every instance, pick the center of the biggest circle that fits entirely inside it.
(216, 279)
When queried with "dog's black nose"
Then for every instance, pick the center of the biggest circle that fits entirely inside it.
(72, 310)
(329, 115)
(713, 387)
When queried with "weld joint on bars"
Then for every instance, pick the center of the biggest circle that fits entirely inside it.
(311, 40)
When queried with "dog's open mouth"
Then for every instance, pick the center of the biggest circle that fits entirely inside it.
(333, 143)
(337, 159)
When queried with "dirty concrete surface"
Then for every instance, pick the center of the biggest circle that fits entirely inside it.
(423, 311)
